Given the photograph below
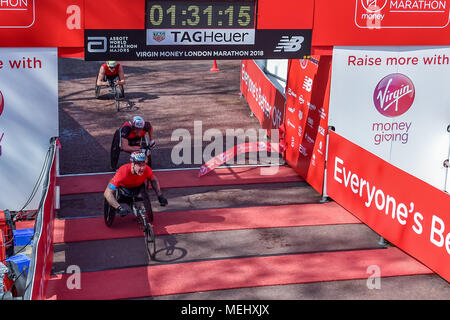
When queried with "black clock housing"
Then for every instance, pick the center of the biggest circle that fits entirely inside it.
(200, 14)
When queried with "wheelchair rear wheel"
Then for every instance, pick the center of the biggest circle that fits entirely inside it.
(115, 150)
(109, 214)
(97, 91)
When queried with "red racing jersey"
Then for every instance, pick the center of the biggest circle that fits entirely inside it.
(108, 71)
(127, 133)
(125, 178)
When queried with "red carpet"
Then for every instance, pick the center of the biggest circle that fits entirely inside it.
(184, 178)
(234, 273)
(84, 229)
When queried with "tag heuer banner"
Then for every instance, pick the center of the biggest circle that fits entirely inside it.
(196, 44)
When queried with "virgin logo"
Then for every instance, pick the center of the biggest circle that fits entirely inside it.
(2, 103)
(373, 5)
(394, 95)
(303, 63)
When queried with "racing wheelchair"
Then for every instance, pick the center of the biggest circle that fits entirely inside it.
(117, 91)
(140, 208)
(146, 146)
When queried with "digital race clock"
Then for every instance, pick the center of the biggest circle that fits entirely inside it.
(198, 30)
(200, 14)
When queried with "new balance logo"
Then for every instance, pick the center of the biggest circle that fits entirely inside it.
(289, 44)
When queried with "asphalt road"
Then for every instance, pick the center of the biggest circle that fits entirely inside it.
(173, 96)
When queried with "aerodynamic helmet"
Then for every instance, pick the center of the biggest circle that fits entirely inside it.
(137, 156)
(138, 122)
(111, 64)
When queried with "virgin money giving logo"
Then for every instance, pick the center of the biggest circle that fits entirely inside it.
(378, 14)
(394, 95)
(373, 5)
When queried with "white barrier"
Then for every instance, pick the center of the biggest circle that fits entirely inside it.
(28, 119)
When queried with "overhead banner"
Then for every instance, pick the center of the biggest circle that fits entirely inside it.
(263, 98)
(198, 30)
(28, 119)
(41, 23)
(381, 22)
(205, 44)
(402, 14)
(403, 209)
(307, 118)
(394, 102)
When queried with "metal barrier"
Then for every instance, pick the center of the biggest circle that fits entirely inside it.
(42, 253)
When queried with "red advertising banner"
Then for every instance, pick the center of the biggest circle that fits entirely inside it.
(42, 23)
(33, 23)
(115, 14)
(286, 14)
(43, 254)
(402, 14)
(17, 14)
(385, 22)
(49, 23)
(264, 99)
(408, 212)
(307, 117)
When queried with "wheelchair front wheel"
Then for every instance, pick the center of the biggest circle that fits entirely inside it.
(117, 96)
(150, 241)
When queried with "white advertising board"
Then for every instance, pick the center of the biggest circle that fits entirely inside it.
(28, 119)
(395, 102)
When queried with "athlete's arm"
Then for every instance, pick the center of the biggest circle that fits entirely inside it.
(121, 76)
(127, 148)
(150, 133)
(100, 77)
(109, 196)
(155, 186)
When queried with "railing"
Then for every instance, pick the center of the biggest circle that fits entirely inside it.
(42, 253)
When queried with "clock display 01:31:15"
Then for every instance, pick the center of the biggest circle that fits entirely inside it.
(200, 15)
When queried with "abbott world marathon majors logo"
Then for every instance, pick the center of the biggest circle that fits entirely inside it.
(393, 96)
(378, 14)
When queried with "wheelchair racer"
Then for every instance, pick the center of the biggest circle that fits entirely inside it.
(112, 72)
(132, 136)
(130, 179)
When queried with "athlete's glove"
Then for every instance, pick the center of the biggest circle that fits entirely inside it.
(146, 151)
(151, 144)
(162, 201)
(122, 211)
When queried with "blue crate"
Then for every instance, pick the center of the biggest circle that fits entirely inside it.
(22, 260)
(23, 237)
